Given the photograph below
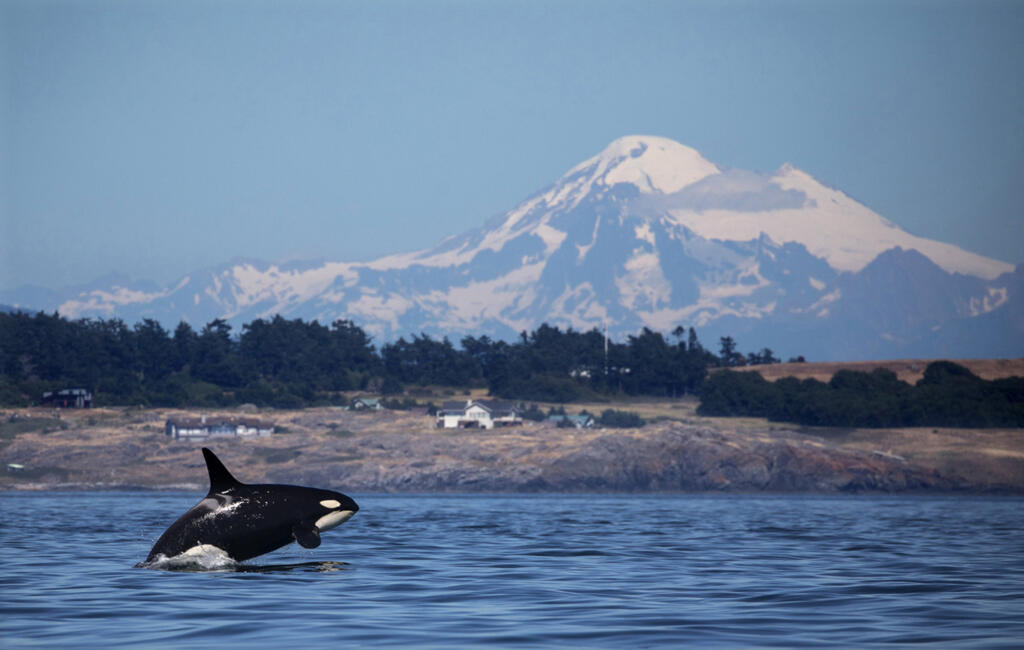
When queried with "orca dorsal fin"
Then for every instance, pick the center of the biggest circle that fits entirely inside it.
(220, 478)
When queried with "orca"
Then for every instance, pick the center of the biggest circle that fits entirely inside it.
(243, 521)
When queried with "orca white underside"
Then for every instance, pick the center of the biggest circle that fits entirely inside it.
(333, 519)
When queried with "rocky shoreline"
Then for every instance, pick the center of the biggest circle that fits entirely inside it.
(401, 452)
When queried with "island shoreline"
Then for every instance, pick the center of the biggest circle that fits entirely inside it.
(401, 452)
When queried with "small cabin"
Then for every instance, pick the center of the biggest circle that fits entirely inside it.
(202, 427)
(581, 421)
(365, 404)
(69, 398)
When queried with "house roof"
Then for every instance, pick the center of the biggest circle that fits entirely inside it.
(494, 407)
(576, 419)
(67, 391)
(198, 423)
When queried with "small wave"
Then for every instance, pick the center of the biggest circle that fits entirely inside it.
(204, 557)
(210, 558)
(327, 566)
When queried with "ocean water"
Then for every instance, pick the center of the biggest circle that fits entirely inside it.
(538, 570)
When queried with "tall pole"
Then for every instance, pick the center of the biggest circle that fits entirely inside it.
(605, 326)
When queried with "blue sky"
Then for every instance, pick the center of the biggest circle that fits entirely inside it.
(155, 138)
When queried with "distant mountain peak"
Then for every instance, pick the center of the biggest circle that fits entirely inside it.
(651, 163)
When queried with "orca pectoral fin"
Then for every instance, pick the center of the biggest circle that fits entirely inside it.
(306, 535)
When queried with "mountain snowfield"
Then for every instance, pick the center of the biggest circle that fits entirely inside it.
(648, 233)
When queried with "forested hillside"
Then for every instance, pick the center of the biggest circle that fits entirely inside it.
(292, 363)
(948, 395)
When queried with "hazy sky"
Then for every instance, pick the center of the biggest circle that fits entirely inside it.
(159, 137)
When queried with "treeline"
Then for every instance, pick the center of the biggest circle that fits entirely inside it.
(291, 363)
(279, 363)
(948, 395)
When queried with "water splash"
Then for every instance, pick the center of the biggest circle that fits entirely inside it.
(229, 507)
(204, 557)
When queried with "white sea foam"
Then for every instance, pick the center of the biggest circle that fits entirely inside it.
(204, 557)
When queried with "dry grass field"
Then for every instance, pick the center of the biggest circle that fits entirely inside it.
(908, 370)
(401, 450)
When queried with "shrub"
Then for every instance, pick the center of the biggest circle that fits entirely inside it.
(620, 419)
(533, 413)
(403, 404)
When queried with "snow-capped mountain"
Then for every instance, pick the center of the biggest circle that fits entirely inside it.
(648, 233)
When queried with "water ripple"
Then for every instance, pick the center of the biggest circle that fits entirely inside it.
(537, 570)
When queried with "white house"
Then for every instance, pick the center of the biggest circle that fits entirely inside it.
(477, 414)
(202, 428)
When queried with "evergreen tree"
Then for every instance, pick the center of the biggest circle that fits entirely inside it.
(155, 355)
(185, 342)
(215, 360)
(728, 356)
